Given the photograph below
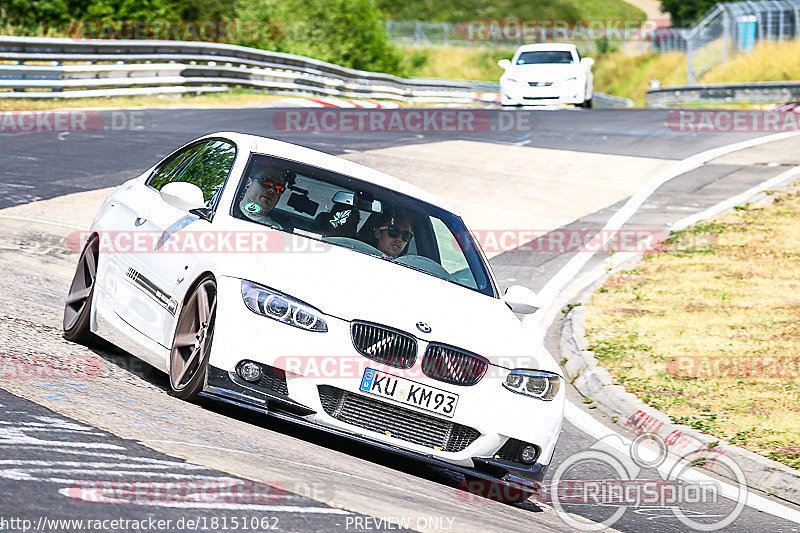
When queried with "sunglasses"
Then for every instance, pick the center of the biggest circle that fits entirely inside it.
(395, 232)
(271, 185)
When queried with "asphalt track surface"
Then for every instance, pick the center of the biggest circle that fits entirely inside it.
(39, 166)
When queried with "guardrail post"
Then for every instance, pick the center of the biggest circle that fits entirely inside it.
(726, 35)
(689, 72)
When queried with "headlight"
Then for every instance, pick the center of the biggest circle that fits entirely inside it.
(572, 78)
(533, 383)
(272, 304)
(512, 80)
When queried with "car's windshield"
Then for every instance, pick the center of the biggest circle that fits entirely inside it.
(343, 211)
(545, 56)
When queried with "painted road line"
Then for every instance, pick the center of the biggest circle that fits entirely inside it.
(38, 221)
(597, 430)
(563, 277)
(714, 210)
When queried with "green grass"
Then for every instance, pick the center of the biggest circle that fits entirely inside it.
(705, 328)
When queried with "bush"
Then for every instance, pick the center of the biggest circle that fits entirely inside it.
(350, 33)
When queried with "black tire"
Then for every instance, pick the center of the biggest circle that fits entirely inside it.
(78, 306)
(495, 491)
(587, 104)
(191, 346)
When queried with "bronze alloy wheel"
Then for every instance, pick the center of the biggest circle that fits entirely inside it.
(192, 344)
(78, 307)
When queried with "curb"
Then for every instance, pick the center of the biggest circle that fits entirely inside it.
(592, 380)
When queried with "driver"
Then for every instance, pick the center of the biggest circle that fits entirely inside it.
(393, 233)
(264, 190)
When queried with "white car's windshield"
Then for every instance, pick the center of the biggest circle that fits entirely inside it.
(340, 210)
(545, 56)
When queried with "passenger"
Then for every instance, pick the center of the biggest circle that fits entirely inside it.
(393, 233)
(263, 192)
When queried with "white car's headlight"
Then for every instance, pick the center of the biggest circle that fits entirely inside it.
(572, 78)
(512, 80)
(533, 383)
(272, 304)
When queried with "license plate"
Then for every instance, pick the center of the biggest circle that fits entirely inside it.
(409, 392)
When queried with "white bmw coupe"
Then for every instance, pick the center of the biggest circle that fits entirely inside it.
(316, 290)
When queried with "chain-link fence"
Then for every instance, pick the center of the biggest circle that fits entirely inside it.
(729, 28)
(589, 36)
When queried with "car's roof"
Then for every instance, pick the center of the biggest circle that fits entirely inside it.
(274, 147)
(547, 46)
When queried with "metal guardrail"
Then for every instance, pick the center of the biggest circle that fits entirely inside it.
(607, 100)
(179, 66)
(38, 67)
(719, 93)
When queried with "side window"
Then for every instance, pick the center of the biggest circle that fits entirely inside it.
(210, 168)
(452, 256)
(175, 167)
(206, 165)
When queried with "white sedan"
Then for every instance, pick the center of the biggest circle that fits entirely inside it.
(313, 289)
(547, 73)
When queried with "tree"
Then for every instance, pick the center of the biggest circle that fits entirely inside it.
(686, 12)
(350, 33)
(131, 10)
(49, 13)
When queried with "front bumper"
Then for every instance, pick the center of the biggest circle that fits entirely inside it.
(227, 387)
(563, 92)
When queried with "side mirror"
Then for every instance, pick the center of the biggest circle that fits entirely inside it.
(504, 63)
(587, 62)
(185, 196)
(521, 299)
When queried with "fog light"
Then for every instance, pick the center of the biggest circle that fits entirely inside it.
(249, 371)
(528, 455)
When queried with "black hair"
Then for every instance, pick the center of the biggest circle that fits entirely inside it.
(392, 216)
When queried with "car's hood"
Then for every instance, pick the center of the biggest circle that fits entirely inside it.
(355, 286)
(543, 71)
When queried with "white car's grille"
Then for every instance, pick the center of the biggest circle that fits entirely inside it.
(540, 83)
(452, 365)
(384, 345)
(395, 421)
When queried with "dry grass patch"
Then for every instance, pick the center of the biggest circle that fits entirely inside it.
(708, 329)
(770, 61)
